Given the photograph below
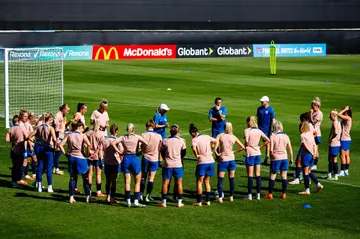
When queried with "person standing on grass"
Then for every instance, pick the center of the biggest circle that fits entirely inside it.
(131, 162)
(309, 148)
(80, 114)
(172, 149)
(202, 147)
(334, 146)
(112, 161)
(31, 155)
(280, 145)
(46, 141)
(60, 126)
(161, 120)
(225, 142)
(217, 116)
(252, 137)
(103, 116)
(346, 121)
(77, 162)
(265, 117)
(95, 137)
(150, 159)
(17, 137)
(316, 117)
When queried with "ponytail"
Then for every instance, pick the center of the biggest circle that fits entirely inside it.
(130, 129)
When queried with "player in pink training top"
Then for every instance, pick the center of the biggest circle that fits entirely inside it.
(346, 121)
(172, 149)
(80, 114)
(316, 117)
(31, 155)
(17, 137)
(202, 146)
(60, 127)
(280, 146)
(101, 114)
(150, 160)
(309, 148)
(334, 146)
(25, 125)
(95, 137)
(131, 162)
(44, 148)
(227, 161)
(252, 137)
(112, 161)
(77, 161)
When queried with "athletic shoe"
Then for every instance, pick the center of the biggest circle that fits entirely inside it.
(33, 176)
(39, 187)
(141, 197)
(27, 177)
(346, 172)
(77, 192)
(335, 178)
(148, 198)
(180, 205)
(249, 197)
(314, 167)
(50, 189)
(283, 196)
(341, 174)
(295, 181)
(206, 203)
(304, 193)
(161, 205)
(319, 188)
(100, 195)
(72, 201)
(22, 182)
(219, 200)
(58, 172)
(128, 205)
(139, 205)
(258, 196)
(197, 204)
(231, 198)
(268, 196)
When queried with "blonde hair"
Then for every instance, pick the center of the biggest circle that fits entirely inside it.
(317, 101)
(305, 127)
(130, 129)
(47, 116)
(277, 126)
(96, 125)
(103, 103)
(252, 121)
(334, 112)
(228, 128)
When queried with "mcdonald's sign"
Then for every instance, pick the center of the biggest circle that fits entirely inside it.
(133, 52)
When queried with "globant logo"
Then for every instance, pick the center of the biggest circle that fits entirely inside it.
(230, 51)
(191, 51)
(140, 52)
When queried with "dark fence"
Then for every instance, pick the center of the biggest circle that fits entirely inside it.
(178, 14)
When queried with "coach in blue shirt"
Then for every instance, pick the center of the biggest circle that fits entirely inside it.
(265, 116)
(161, 121)
(217, 115)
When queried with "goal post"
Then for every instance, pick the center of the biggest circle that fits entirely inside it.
(33, 80)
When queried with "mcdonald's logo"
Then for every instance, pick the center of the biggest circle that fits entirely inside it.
(105, 53)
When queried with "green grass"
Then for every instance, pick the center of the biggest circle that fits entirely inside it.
(135, 88)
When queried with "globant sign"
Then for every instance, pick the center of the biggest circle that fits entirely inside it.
(290, 50)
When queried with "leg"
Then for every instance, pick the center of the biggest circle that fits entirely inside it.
(56, 161)
(143, 181)
(164, 192)
(232, 183)
(150, 184)
(33, 165)
(258, 180)
(250, 173)
(113, 178)
(272, 183)
(108, 183)
(306, 171)
(98, 181)
(199, 182)
(284, 183)
(127, 180)
(72, 187)
(85, 177)
(347, 162)
(137, 190)
(49, 162)
(91, 170)
(220, 185)
(179, 192)
(207, 188)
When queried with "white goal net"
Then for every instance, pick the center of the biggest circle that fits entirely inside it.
(33, 80)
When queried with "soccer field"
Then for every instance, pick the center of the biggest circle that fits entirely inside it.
(135, 88)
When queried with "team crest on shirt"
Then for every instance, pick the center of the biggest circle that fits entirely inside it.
(266, 112)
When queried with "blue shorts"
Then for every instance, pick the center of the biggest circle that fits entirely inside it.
(78, 165)
(112, 169)
(167, 173)
(206, 169)
(267, 132)
(300, 151)
(253, 160)
(318, 140)
(334, 151)
(345, 145)
(131, 164)
(227, 166)
(149, 166)
(30, 154)
(94, 163)
(276, 165)
(215, 132)
(307, 160)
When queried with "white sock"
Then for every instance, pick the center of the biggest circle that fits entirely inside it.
(307, 190)
(164, 201)
(329, 175)
(98, 192)
(71, 198)
(128, 201)
(87, 198)
(250, 196)
(39, 185)
(136, 201)
(318, 184)
(179, 201)
(346, 171)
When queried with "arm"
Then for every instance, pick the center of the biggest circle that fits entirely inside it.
(266, 141)
(61, 145)
(159, 149)
(241, 146)
(53, 135)
(114, 145)
(217, 144)
(7, 137)
(289, 148)
(341, 113)
(157, 120)
(211, 118)
(223, 114)
(333, 134)
(32, 134)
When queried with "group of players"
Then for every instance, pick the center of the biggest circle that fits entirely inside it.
(91, 151)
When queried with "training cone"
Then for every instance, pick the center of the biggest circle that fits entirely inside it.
(306, 206)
